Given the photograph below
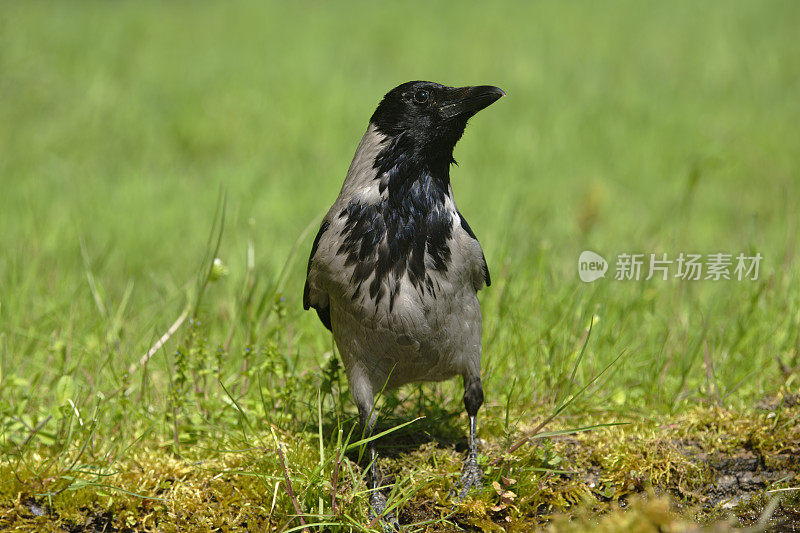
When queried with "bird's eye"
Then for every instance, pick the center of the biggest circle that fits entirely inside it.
(421, 96)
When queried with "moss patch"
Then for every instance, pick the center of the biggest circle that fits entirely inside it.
(709, 465)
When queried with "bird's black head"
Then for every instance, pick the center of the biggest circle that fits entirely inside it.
(431, 117)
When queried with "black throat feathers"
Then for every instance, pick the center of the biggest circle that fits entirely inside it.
(407, 232)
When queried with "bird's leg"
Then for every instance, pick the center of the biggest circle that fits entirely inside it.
(377, 501)
(471, 474)
(373, 474)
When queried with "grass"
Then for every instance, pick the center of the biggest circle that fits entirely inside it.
(139, 142)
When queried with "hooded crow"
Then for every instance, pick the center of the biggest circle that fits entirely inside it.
(395, 268)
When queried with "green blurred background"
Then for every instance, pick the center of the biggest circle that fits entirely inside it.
(628, 127)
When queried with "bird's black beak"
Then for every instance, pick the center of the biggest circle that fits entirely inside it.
(466, 101)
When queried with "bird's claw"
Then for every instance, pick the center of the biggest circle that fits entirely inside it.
(471, 477)
(377, 504)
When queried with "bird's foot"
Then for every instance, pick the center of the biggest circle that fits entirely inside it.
(471, 477)
(377, 504)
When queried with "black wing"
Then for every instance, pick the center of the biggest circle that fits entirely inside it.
(486, 277)
(324, 313)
